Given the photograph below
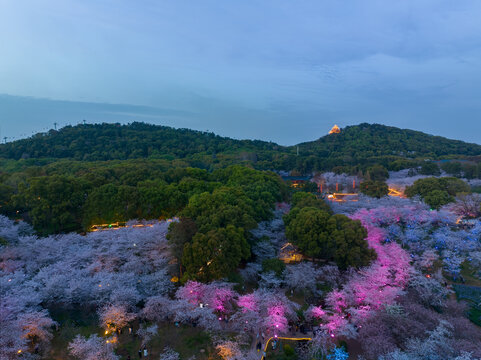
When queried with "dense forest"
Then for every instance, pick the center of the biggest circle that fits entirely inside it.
(68, 196)
(352, 150)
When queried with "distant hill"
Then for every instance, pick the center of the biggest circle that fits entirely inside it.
(359, 143)
(119, 142)
(354, 146)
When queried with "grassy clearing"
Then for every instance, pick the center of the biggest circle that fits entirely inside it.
(284, 350)
(470, 274)
(472, 294)
(186, 340)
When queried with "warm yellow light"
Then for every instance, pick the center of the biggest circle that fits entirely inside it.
(19, 351)
(335, 130)
(394, 192)
(106, 332)
(282, 338)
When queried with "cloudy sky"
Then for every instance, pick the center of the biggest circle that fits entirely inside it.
(277, 70)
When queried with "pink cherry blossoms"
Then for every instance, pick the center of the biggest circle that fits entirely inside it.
(373, 287)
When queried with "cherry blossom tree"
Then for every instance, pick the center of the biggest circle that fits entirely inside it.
(228, 350)
(169, 354)
(467, 205)
(37, 328)
(91, 348)
(270, 280)
(302, 277)
(315, 312)
(319, 347)
(192, 291)
(429, 290)
(219, 298)
(115, 316)
(12, 338)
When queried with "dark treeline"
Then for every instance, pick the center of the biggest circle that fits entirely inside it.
(353, 150)
(120, 142)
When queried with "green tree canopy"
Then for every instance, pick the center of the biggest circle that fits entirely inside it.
(377, 173)
(110, 203)
(437, 198)
(215, 254)
(54, 202)
(303, 199)
(430, 168)
(376, 189)
(225, 206)
(180, 233)
(437, 192)
(336, 238)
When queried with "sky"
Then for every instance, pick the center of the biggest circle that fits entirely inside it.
(276, 70)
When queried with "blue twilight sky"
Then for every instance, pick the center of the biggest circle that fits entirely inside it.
(277, 70)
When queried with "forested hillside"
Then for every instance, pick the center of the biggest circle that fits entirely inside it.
(354, 149)
(120, 142)
(387, 145)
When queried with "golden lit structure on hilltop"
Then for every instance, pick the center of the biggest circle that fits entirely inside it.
(335, 130)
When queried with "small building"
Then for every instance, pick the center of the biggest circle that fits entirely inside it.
(290, 253)
(335, 130)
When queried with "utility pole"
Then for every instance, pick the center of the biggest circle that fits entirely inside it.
(55, 125)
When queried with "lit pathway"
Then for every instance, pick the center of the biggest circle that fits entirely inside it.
(282, 338)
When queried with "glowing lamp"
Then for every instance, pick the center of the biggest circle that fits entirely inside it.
(220, 318)
(19, 351)
(106, 332)
(332, 335)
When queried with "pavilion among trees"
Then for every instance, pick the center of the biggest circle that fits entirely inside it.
(290, 253)
(335, 130)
